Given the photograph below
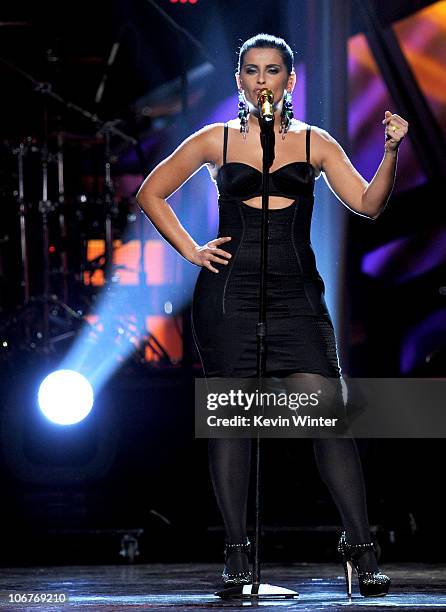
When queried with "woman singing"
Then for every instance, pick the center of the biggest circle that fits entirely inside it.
(300, 339)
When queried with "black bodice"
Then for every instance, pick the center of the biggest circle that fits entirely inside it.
(236, 179)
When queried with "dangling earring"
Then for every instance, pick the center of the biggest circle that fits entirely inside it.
(286, 115)
(243, 113)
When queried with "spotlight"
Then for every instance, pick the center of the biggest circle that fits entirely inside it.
(65, 397)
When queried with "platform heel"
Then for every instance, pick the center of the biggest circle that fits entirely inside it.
(371, 584)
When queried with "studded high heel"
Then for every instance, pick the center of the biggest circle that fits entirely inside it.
(371, 584)
(234, 578)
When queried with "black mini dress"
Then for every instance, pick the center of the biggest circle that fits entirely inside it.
(300, 334)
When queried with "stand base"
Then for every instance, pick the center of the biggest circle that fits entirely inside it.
(260, 591)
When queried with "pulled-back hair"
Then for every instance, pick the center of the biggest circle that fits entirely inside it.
(267, 41)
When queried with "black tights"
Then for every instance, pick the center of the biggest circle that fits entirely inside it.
(339, 466)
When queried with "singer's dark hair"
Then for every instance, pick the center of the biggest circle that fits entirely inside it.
(267, 41)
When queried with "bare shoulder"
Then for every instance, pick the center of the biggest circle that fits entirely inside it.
(319, 132)
(214, 134)
(211, 131)
(234, 124)
(210, 139)
(325, 141)
(297, 126)
(318, 137)
(200, 147)
(207, 135)
(324, 146)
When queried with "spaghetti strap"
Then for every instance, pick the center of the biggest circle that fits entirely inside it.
(225, 143)
(308, 143)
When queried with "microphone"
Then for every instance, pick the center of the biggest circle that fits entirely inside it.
(265, 101)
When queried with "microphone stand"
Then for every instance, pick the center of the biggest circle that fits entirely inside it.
(258, 590)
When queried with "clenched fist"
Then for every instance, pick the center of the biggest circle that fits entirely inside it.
(395, 130)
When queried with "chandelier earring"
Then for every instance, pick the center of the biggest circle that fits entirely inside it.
(287, 114)
(243, 113)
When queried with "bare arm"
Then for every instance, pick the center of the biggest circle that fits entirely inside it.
(367, 199)
(164, 181)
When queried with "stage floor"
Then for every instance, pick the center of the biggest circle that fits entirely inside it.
(189, 587)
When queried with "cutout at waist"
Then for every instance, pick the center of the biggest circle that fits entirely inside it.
(256, 202)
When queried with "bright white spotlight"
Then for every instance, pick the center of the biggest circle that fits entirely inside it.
(65, 397)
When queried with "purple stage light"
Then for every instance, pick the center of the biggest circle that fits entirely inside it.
(422, 340)
(406, 258)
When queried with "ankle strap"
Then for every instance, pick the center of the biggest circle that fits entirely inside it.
(242, 547)
(358, 547)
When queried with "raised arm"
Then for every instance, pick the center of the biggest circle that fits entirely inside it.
(165, 180)
(367, 199)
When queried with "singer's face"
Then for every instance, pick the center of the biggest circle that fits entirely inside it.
(264, 68)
